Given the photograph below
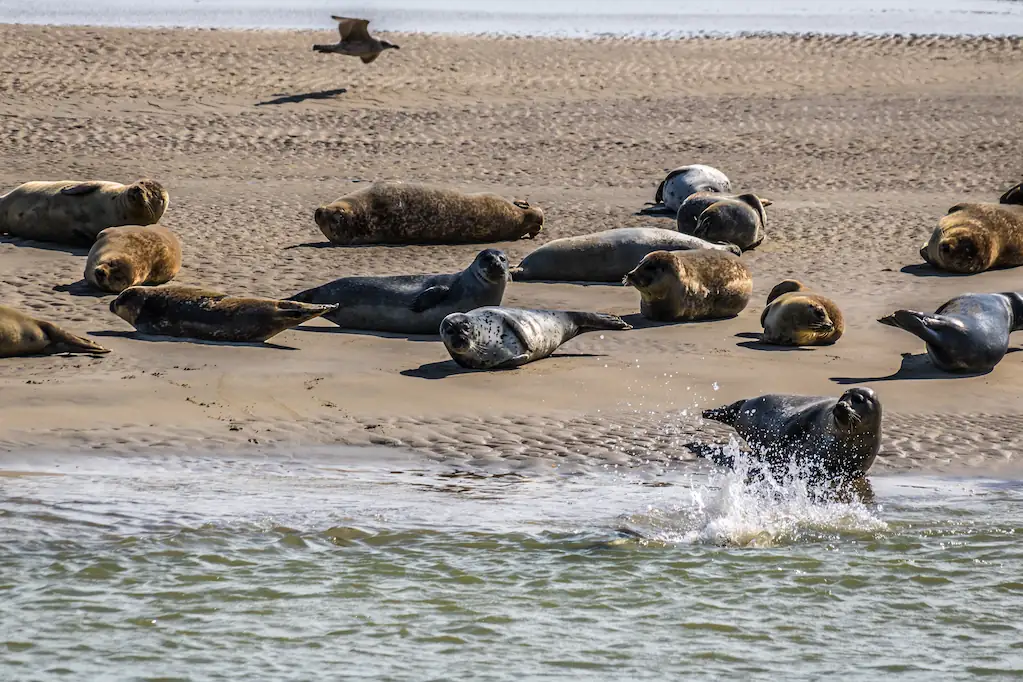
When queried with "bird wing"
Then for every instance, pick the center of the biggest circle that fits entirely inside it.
(367, 58)
(352, 29)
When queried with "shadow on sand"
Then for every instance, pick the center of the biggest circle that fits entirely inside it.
(756, 344)
(202, 342)
(81, 288)
(915, 366)
(296, 99)
(76, 250)
(420, 338)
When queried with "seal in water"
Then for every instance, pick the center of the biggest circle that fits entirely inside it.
(683, 181)
(695, 204)
(822, 436)
(605, 256)
(501, 338)
(795, 316)
(740, 221)
(412, 304)
(400, 213)
(969, 333)
(195, 313)
(977, 237)
(125, 256)
(691, 285)
(23, 335)
(1013, 196)
(74, 213)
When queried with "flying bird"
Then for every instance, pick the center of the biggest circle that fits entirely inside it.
(356, 40)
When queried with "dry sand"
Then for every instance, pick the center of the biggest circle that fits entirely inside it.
(861, 143)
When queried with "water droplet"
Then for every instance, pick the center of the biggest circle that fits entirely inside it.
(715, 386)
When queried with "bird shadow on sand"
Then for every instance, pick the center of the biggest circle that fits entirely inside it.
(280, 98)
(81, 288)
(927, 270)
(77, 250)
(915, 366)
(201, 342)
(756, 344)
(420, 338)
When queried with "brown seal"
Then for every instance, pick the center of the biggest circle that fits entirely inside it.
(195, 313)
(21, 334)
(977, 237)
(796, 317)
(73, 212)
(125, 256)
(691, 285)
(406, 213)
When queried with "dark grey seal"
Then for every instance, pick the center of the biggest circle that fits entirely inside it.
(412, 304)
(826, 438)
(736, 219)
(969, 333)
(502, 338)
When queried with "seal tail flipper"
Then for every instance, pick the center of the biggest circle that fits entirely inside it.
(658, 209)
(787, 286)
(65, 342)
(588, 322)
(1013, 196)
(302, 312)
(727, 414)
(919, 324)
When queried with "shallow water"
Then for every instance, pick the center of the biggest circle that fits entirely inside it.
(650, 18)
(356, 563)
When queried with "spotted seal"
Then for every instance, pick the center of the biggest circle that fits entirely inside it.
(74, 213)
(196, 313)
(125, 256)
(408, 213)
(412, 304)
(795, 316)
(682, 182)
(21, 335)
(605, 256)
(973, 238)
(691, 285)
(501, 338)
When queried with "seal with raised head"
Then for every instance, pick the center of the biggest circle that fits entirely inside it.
(740, 221)
(969, 333)
(682, 182)
(605, 256)
(691, 285)
(409, 213)
(795, 316)
(1013, 196)
(74, 213)
(125, 256)
(196, 313)
(21, 335)
(823, 437)
(412, 304)
(695, 204)
(501, 338)
(977, 237)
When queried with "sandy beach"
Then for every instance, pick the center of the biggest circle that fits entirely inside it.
(862, 144)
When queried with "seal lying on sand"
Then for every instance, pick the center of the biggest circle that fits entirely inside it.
(24, 335)
(969, 333)
(356, 40)
(501, 338)
(194, 313)
(74, 213)
(738, 220)
(977, 237)
(795, 316)
(683, 181)
(823, 437)
(400, 213)
(412, 304)
(1013, 196)
(691, 285)
(604, 256)
(125, 256)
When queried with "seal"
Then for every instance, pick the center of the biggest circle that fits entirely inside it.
(740, 221)
(412, 304)
(400, 213)
(356, 40)
(823, 437)
(973, 238)
(502, 338)
(691, 285)
(196, 313)
(683, 181)
(795, 316)
(74, 213)
(969, 333)
(698, 202)
(125, 256)
(22, 335)
(1013, 196)
(605, 256)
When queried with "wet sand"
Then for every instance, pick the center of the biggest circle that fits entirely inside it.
(861, 143)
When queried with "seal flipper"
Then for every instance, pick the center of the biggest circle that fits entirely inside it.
(588, 322)
(1013, 196)
(430, 298)
(81, 188)
(65, 342)
(919, 324)
(727, 414)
